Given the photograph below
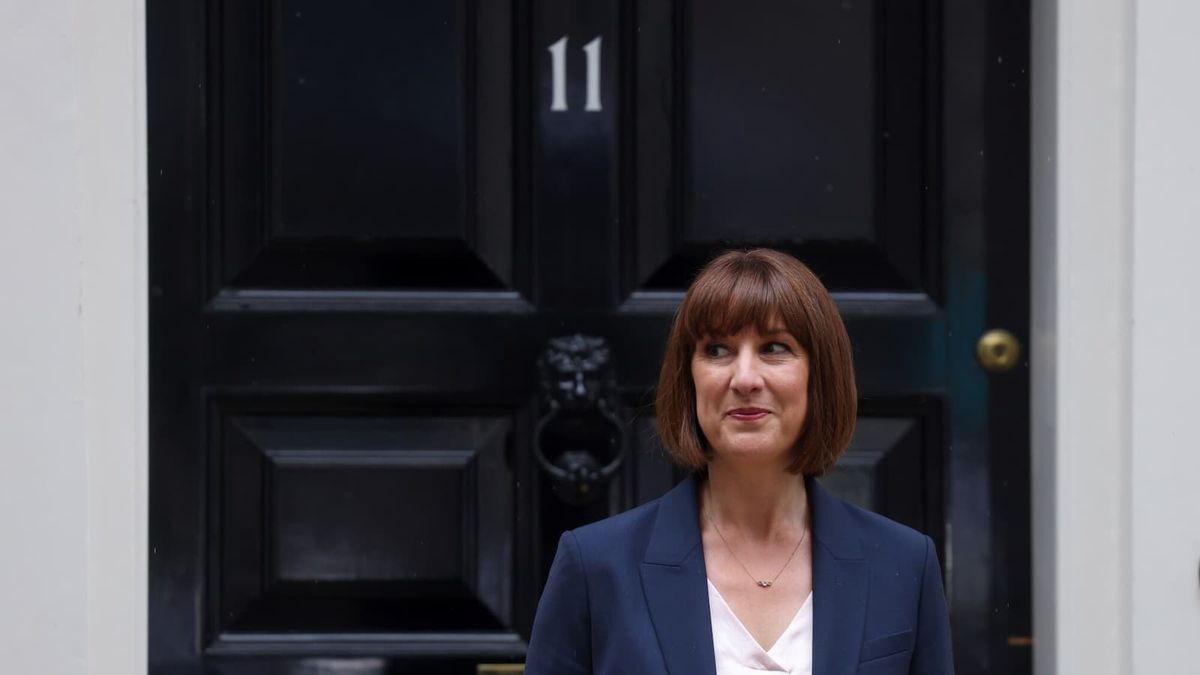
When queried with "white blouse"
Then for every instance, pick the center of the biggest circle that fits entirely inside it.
(738, 653)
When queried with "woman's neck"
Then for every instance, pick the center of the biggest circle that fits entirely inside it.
(760, 501)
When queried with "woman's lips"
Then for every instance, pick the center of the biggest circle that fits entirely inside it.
(748, 415)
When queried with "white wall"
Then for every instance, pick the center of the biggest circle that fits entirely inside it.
(1080, 358)
(1165, 457)
(1116, 193)
(42, 488)
(73, 347)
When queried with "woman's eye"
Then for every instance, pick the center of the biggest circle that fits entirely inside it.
(715, 351)
(777, 348)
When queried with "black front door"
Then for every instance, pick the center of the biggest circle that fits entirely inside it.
(370, 221)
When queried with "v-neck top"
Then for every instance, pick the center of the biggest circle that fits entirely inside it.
(738, 653)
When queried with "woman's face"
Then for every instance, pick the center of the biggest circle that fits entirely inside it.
(751, 393)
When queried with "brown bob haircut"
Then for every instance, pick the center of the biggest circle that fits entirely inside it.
(753, 288)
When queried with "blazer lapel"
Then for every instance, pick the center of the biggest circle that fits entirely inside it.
(676, 584)
(839, 585)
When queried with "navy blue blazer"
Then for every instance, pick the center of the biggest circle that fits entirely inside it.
(628, 594)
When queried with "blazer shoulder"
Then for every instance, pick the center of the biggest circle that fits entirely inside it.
(883, 536)
(627, 531)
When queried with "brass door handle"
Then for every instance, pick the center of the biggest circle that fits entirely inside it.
(998, 351)
(500, 669)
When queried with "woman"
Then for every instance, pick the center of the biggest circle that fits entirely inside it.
(748, 566)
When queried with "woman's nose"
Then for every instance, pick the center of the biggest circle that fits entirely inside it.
(746, 376)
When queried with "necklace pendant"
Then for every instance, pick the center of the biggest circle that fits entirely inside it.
(764, 584)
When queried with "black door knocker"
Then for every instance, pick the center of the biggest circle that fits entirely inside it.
(579, 441)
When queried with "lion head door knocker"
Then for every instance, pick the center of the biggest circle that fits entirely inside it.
(579, 441)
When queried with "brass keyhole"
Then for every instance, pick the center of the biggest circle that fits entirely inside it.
(998, 351)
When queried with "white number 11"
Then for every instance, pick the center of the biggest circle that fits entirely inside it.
(558, 75)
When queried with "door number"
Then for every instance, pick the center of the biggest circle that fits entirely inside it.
(558, 75)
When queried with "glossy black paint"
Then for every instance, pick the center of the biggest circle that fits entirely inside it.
(1007, 244)
(366, 223)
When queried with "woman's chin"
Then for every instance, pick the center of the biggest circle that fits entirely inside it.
(752, 453)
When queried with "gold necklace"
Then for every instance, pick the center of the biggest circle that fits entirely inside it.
(762, 583)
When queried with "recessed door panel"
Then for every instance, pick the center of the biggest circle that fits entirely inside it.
(334, 524)
(807, 126)
(363, 146)
(782, 133)
(370, 119)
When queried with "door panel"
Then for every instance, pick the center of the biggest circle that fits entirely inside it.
(370, 132)
(368, 220)
(806, 73)
(362, 146)
(361, 523)
(810, 127)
